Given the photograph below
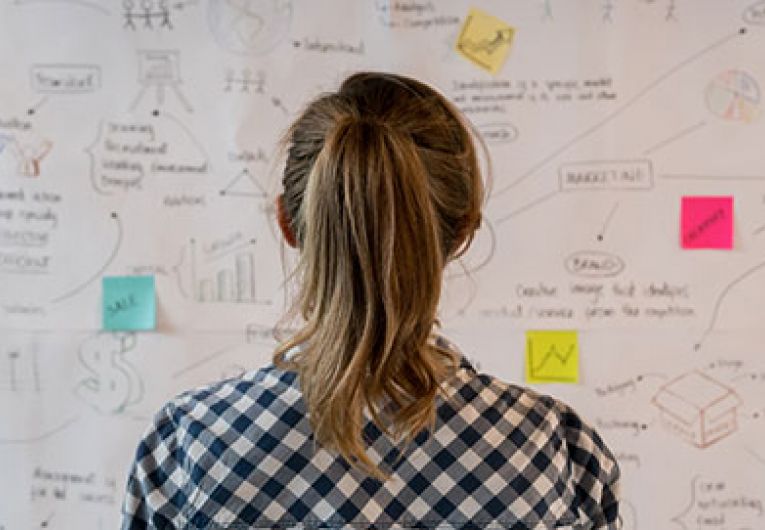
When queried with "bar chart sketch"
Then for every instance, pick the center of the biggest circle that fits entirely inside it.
(228, 276)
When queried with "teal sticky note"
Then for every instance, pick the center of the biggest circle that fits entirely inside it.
(129, 303)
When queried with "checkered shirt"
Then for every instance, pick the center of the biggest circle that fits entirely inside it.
(240, 454)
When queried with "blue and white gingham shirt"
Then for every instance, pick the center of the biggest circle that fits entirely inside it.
(240, 454)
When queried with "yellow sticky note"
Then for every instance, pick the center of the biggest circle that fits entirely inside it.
(485, 40)
(552, 356)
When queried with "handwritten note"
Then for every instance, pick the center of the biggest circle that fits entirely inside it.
(485, 40)
(706, 222)
(552, 356)
(129, 303)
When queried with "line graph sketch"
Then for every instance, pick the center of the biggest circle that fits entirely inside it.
(552, 356)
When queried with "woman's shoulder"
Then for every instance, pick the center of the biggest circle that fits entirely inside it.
(258, 388)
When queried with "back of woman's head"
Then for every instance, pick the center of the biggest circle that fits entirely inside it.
(381, 189)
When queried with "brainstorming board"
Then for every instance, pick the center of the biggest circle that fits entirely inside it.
(626, 208)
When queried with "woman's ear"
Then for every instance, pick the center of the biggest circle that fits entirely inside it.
(285, 223)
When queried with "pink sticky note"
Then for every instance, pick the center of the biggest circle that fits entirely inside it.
(706, 222)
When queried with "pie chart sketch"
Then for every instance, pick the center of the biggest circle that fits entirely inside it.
(249, 27)
(734, 95)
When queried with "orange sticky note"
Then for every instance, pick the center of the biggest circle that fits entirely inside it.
(552, 356)
(706, 222)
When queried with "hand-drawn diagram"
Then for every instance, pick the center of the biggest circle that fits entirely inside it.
(20, 371)
(24, 382)
(113, 383)
(575, 137)
(610, 117)
(249, 27)
(149, 14)
(222, 271)
(734, 95)
(698, 408)
(21, 154)
(244, 184)
(245, 81)
(160, 70)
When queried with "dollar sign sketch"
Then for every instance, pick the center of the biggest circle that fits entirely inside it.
(113, 382)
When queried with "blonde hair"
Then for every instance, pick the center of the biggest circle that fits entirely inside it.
(381, 188)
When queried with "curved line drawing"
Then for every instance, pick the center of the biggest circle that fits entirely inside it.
(190, 135)
(55, 430)
(80, 287)
(83, 3)
(528, 206)
(89, 151)
(177, 272)
(718, 304)
(691, 504)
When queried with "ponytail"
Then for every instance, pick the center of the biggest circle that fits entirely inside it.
(373, 249)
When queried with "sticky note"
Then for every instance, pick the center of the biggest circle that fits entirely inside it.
(485, 40)
(706, 222)
(552, 356)
(129, 303)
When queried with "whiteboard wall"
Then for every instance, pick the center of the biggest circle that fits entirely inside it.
(138, 137)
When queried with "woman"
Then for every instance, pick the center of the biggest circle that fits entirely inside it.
(367, 418)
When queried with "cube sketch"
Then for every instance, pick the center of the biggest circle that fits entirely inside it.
(698, 408)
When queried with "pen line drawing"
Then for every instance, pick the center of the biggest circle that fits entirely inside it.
(37, 106)
(718, 304)
(688, 176)
(191, 136)
(677, 136)
(193, 366)
(678, 518)
(80, 287)
(617, 112)
(244, 184)
(31, 379)
(40, 437)
(96, 6)
(607, 222)
(526, 207)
